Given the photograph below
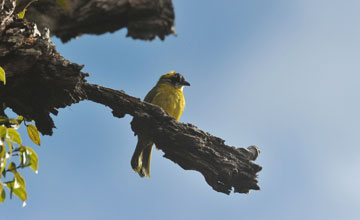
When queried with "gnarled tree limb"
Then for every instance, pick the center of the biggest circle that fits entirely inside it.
(224, 168)
(144, 19)
(40, 80)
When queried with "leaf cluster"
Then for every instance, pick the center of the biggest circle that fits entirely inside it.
(11, 147)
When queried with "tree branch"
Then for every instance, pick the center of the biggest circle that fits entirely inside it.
(40, 80)
(224, 168)
(144, 19)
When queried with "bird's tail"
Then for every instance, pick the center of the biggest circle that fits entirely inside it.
(141, 158)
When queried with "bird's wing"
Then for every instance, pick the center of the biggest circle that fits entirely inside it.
(150, 96)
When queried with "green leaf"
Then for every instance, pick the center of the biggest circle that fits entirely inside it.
(14, 135)
(33, 134)
(9, 146)
(62, 3)
(17, 186)
(22, 14)
(3, 119)
(3, 161)
(24, 157)
(19, 180)
(2, 192)
(2, 131)
(3, 158)
(12, 167)
(28, 157)
(33, 158)
(2, 75)
(14, 123)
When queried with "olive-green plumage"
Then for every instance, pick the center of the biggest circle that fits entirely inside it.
(168, 94)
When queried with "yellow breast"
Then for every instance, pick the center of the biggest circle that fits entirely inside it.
(169, 98)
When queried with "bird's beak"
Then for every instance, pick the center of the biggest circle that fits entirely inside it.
(185, 83)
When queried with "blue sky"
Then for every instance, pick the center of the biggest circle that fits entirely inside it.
(282, 75)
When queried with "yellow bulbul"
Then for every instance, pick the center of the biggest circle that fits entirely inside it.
(168, 94)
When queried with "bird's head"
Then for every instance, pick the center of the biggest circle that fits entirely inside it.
(175, 79)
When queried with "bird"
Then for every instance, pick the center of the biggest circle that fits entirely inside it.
(168, 94)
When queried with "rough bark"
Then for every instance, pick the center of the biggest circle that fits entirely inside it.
(144, 19)
(40, 80)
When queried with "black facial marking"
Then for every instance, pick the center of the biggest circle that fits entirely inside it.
(176, 78)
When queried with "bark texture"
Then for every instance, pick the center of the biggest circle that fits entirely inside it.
(40, 80)
(144, 19)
